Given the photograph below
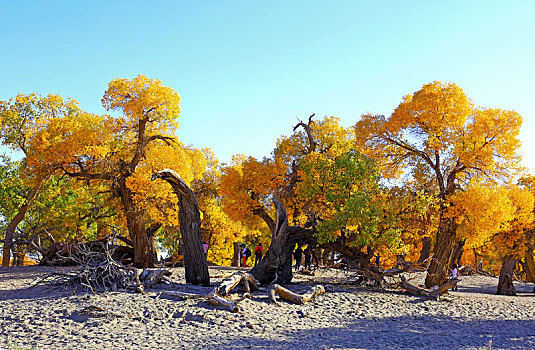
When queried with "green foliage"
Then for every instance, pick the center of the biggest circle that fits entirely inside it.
(345, 190)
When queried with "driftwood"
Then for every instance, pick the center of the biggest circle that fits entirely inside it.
(294, 297)
(211, 297)
(220, 295)
(378, 275)
(250, 283)
(436, 293)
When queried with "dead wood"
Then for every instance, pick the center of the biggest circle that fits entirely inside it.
(379, 275)
(468, 270)
(435, 294)
(71, 254)
(98, 270)
(248, 280)
(292, 297)
(212, 297)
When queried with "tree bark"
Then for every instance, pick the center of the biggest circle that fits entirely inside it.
(425, 252)
(142, 238)
(195, 262)
(529, 266)
(439, 267)
(457, 254)
(12, 226)
(273, 266)
(276, 265)
(236, 255)
(505, 282)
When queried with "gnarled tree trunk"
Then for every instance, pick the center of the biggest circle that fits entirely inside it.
(505, 282)
(276, 265)
(195, 262)
(529, 265)
(236, 255)
(425, 252)
(439, 267)
(457, 254)
(12, 226)
(142, 237)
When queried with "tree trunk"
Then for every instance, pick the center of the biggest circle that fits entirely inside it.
(12, 226)
(236, 255)
(505, 282)
(425, 252)
(142, 239)
(529, 266)
(276, 265)
(272, 267)
(439, 267)
(190, 227)
(457, 254)
(19, 259)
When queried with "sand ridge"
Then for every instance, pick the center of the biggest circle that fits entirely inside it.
(346, 317)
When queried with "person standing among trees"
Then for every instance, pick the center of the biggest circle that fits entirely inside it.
(245, 253)
(454, 274)
(298, 254)
(308, 257)
(378, 260)
(258, 253)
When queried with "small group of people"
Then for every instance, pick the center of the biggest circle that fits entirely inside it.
(298, 256)
(246, 253)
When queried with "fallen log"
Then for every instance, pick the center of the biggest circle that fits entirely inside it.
(294, 297)
(212, 298)
(378, 275)
(435, 294)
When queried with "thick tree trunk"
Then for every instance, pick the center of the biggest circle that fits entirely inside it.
(425, 252)
(276, 265)
(439, 268)
(190, 227)
(529, 266)
(505, 282)
(19, 259)
(12, 226)
(457, 254)
(142, 238)
(236, 255)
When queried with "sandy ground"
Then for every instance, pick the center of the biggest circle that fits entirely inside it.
(346, 317)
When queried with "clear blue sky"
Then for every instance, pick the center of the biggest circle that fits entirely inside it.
(246, 69)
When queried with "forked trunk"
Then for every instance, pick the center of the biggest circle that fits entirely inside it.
(439, 267)
(276, 265)
(505, 282)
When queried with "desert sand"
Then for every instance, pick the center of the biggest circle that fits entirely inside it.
(346, 317)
